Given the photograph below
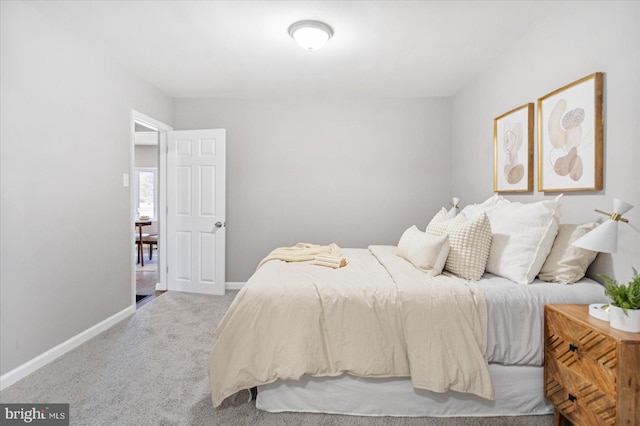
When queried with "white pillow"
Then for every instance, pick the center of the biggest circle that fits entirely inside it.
(474, 210)
(567, 263)
(470, 242)
(522, 238)
(426, 252)
(439, 223)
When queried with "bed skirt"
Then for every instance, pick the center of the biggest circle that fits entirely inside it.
(519, 392)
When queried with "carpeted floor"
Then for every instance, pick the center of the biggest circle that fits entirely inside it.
(151, 369)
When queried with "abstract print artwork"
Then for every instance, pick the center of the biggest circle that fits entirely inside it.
(513, 150)
(570, 137)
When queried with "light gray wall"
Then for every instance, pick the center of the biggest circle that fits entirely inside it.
(65, 143)
(583, 38)
(353, 172)
(146, 156)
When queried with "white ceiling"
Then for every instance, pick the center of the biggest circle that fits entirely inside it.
(242, 49)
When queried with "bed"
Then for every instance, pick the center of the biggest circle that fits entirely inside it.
(384, 335)
(514, 353)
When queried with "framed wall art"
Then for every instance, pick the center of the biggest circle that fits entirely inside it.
(570, 137)
(513, 150)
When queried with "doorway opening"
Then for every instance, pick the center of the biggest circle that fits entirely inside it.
(148, 165)
(146, 194)
(190, 207)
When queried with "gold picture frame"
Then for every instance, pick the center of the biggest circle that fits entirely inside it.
(513, 150)
(570, 137)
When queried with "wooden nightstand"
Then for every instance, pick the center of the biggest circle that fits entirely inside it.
(591, 371)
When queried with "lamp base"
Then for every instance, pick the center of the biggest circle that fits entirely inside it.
(599, 311)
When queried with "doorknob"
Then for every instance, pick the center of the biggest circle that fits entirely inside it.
(218, 225)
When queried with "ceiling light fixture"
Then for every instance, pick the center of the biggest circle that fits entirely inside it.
(310, 35)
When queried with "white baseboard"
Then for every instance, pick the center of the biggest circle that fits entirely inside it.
(45, 358)
(206, 289)
(234, 286)
(198, 288)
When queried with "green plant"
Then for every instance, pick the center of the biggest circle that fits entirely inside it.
(625, 296)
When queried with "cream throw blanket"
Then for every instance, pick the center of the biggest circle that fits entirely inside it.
(378, 316)
(302, 252)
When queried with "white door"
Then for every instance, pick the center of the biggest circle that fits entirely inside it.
(196, 211)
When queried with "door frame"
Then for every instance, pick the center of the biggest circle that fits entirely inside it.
(162, 129)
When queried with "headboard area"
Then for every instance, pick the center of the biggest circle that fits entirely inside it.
(557, 221)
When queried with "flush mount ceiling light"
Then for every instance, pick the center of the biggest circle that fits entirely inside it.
(310, 35)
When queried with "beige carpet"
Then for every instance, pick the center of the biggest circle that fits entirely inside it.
(151, 369)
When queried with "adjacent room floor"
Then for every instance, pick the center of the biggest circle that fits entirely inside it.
(147, 277)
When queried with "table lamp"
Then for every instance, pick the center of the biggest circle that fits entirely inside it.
(456, 207)
(604, 239)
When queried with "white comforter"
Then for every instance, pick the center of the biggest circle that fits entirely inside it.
(376, 317)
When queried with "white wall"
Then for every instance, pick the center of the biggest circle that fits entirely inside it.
(584, 37)
(146, 156)
(353, 172)
(65, 143)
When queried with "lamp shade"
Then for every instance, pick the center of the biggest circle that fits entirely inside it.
(621, 207)
(604, 238)
(453, 212)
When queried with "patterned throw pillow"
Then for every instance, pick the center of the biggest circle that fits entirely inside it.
(470, 242)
